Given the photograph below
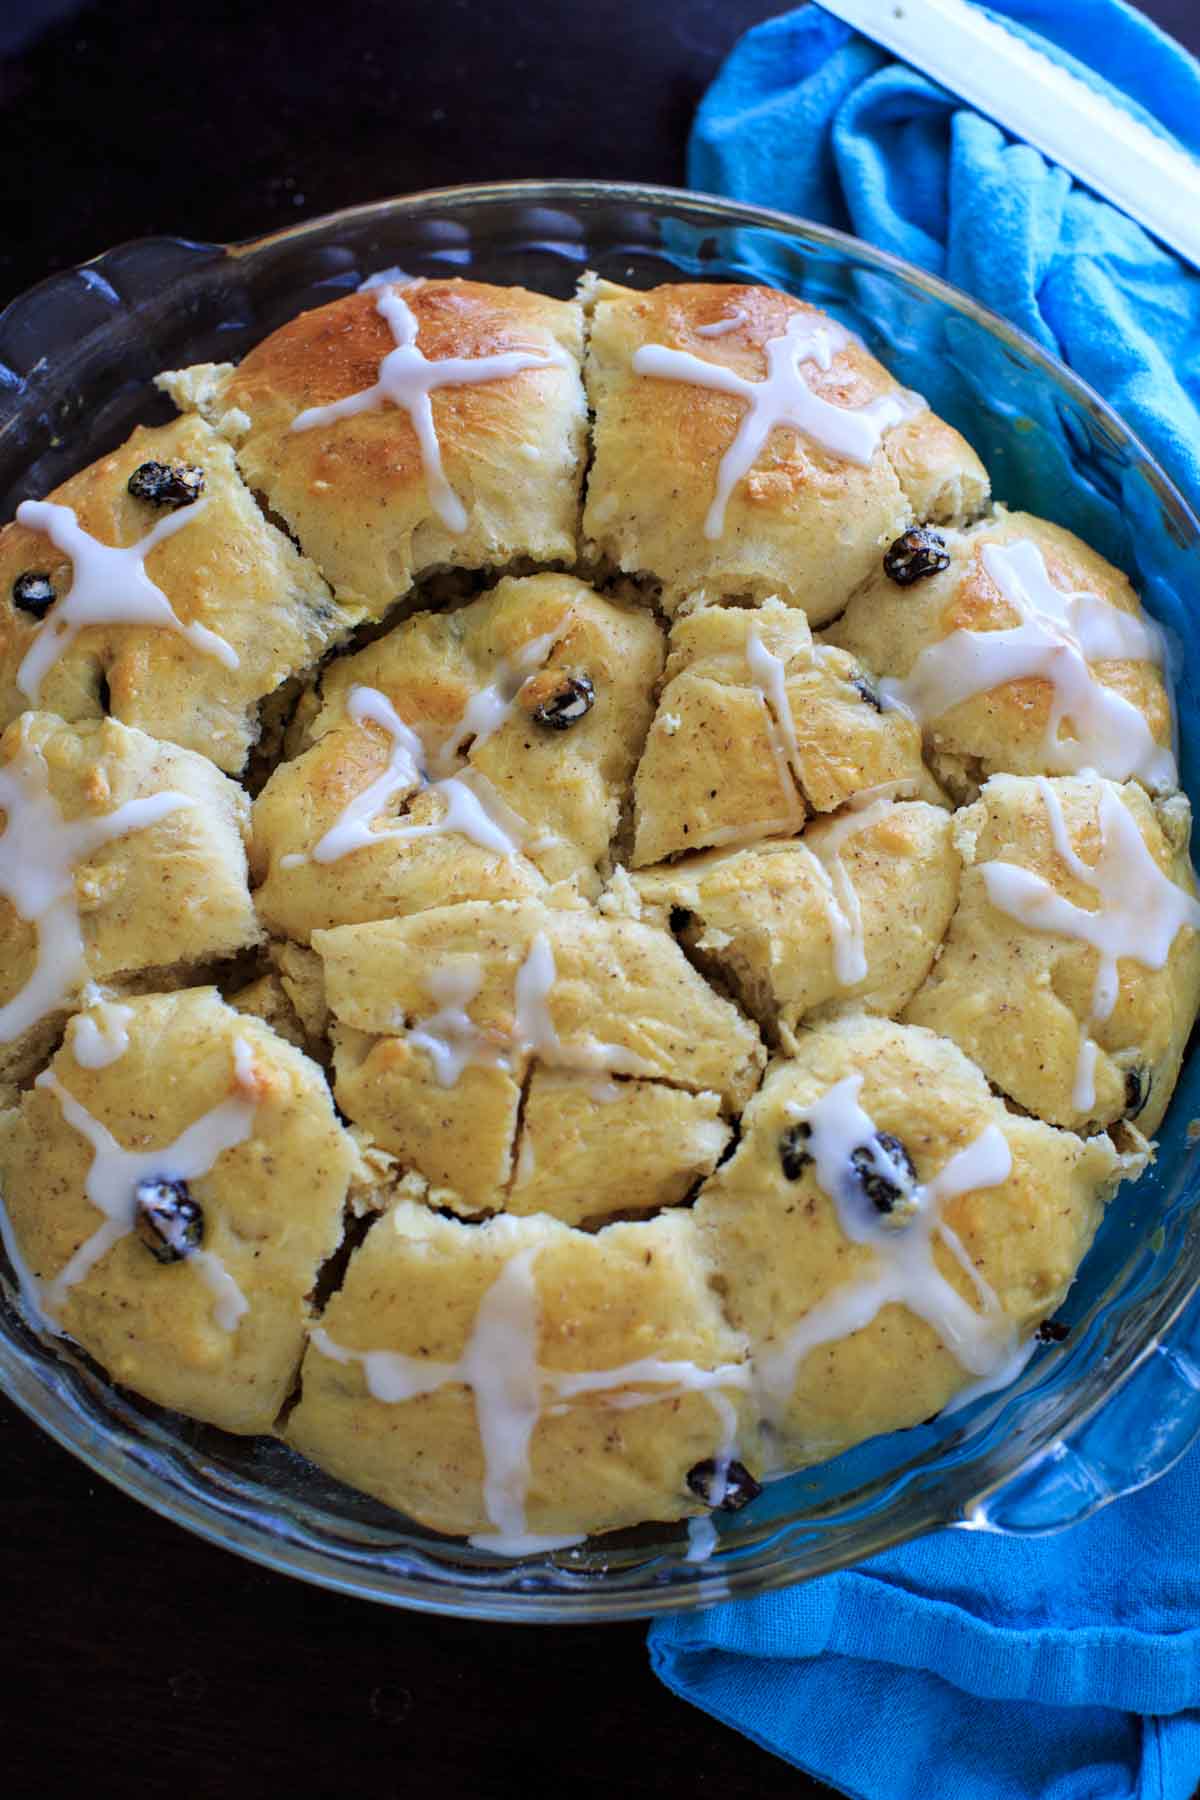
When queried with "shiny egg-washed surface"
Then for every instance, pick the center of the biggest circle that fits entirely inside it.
(734, 1032)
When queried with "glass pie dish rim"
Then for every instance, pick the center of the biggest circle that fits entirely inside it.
(253, 1530)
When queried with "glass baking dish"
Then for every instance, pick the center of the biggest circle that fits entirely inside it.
(1091, 1418)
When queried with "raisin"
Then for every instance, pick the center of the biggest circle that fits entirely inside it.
(1052, 1331)
(167, 484)
(792, 1154)
(883, 1190)
(681, 918)
(571, 700)
(740, 1487)
(916, 554)
(1137, 1091)
(166, 1218)
(867, 691)
(34, 592)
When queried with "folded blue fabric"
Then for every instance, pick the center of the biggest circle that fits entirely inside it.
(809, 117)
(970, 1665)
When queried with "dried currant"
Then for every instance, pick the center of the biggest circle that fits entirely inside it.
(914, 555)
(167, 484)
(1052, 1331)
(732, 1481)
(33, 591)
(1137, 1091)
(867, 691)
(570, 700)
(792, 1153)
(886, 1187)
(166, 1218)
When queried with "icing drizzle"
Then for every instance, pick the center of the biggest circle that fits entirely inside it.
(842, 906)
(491, 707)
(453, 1041)
(450, 1037)
(906, 1273)
(701, 1532)
(472, 806)
(702, 1538)
(114, 1173)
(100, 1035)
(511, 1390)
(722, 327)
(783, 398)
(768, 673)
(406, 380)
(109, 586)
(1139, 915)
(1058, 636)
(38, 852)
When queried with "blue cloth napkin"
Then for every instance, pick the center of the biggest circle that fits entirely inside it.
(811, 118)
(969, 1666)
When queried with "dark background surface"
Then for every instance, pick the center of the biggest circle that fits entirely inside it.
(137, 1660)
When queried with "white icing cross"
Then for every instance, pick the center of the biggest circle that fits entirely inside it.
(511, 1389)
(1139, 915)
(491, 707)
(450, 1037)
(453, 1041)
(783, 398)
(473, 807)
(407, 380)
(114, 1174)
(906, 1273)
(536, 1034)
(1059, 635)
(38, 853)
(109, 586)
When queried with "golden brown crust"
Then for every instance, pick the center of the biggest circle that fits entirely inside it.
(160, 901)
(226, 569)
(564, 787)
(737, 752)
(632, 1292)
(272, 1207)
(1020, 1001)
(781, 1251)
(805, 523)
(1004, 728)
(355, 491)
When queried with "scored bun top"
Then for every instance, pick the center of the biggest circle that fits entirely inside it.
(184, 637)
(360, 489)
(715, 490)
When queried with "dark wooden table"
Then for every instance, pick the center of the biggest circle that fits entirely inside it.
(135, 1659)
